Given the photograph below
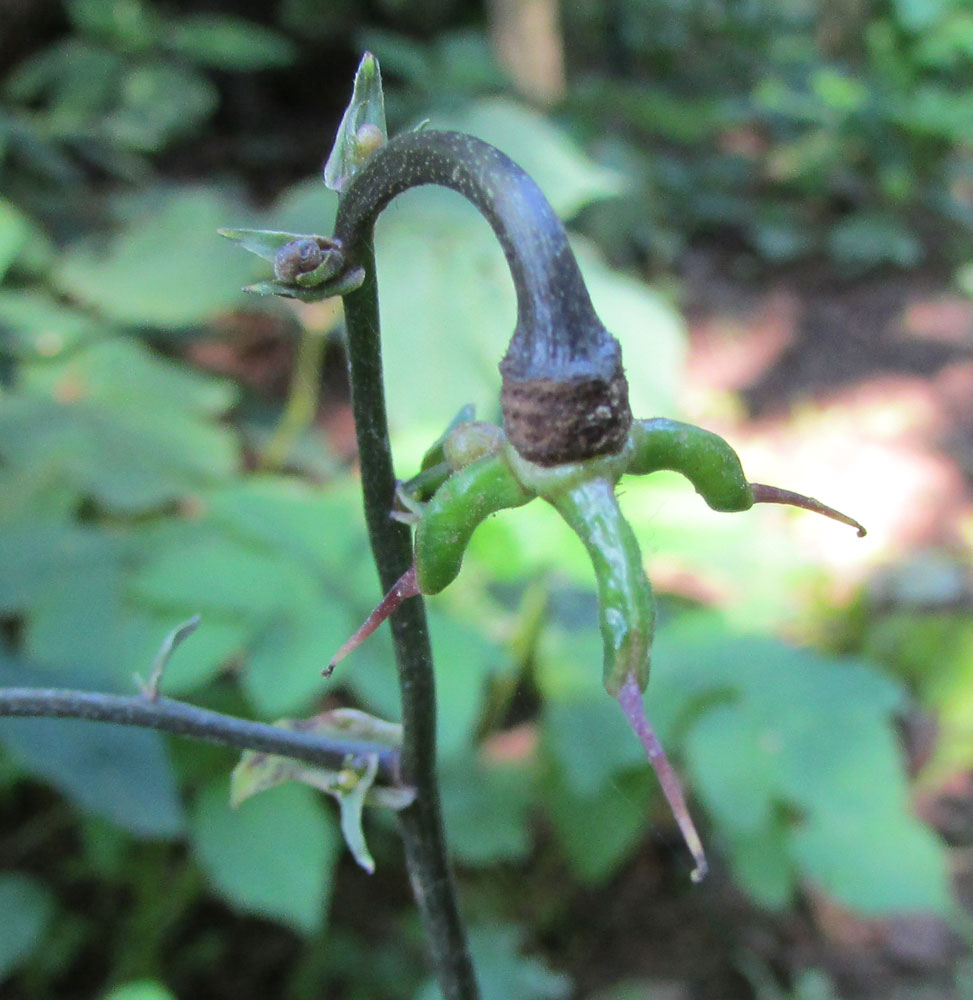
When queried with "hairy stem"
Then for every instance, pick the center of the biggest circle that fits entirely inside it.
(180, 719)
(421, 823)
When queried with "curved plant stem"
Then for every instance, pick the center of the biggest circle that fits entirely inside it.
(421, 823)
(181, 719)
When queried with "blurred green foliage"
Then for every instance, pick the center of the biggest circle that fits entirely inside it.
(129, 500)
(800, 128)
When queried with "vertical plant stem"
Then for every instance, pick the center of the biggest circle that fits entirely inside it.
(421, 824)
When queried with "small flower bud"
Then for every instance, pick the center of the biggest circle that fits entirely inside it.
(297, 257)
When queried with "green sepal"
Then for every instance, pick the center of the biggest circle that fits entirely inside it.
(341, 285)
(435, 454)
(265, 242)
(353, 785)
(367, 107)
(626, 607)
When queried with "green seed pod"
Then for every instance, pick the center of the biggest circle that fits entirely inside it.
(704, 458)
(453, 514)
(626, 608)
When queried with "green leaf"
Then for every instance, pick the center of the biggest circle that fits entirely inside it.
(465, 658)
(503, 973)
(166, 268)
(365, 110)
(37, 326)
(590, 741)
(229, 43)
(273, 857)
(14, 231)
(568, 178)
(597, 832)
(142, 989)
(807, 736)
(281, 559)
(763, 862)
(26, 908)
(485, 808)
(118, 772)
(120, 424)
(877, 863)
(867, 240)
(159, 102)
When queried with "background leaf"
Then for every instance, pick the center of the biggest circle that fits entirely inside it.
(273, 856)
(25, 911)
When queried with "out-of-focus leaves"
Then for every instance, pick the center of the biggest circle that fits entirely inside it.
(36, 326)
(14, 230)
(120, 424)
(867, 240)
(159, 102)
(118, 772)
(465, 658)
(128, 24)
(142, 989)
(568, 178)
(25, 911)
(167, 268)
(597, 832)
(934, 651)
(813, 737)
(274, 856)
(503, 973)
(485, 806)
(590, 741)
(278, 561)
(228, 43)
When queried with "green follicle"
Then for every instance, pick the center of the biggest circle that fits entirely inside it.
(626, 608)
(704, 458)
(454, 512)
(472, 472)
(713, 468)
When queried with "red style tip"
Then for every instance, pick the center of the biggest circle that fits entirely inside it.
(773, 494)
(630, 699)
(405, 587)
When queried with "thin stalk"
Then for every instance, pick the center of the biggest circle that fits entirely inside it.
(181, 719)
(421, 823)
(302, 400)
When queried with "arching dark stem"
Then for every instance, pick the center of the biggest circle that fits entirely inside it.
(564, 391)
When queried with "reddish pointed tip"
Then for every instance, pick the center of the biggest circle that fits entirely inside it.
(630, 699)
(773, 494)
(405, 587)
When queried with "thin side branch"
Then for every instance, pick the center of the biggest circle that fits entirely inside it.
(181, 719)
